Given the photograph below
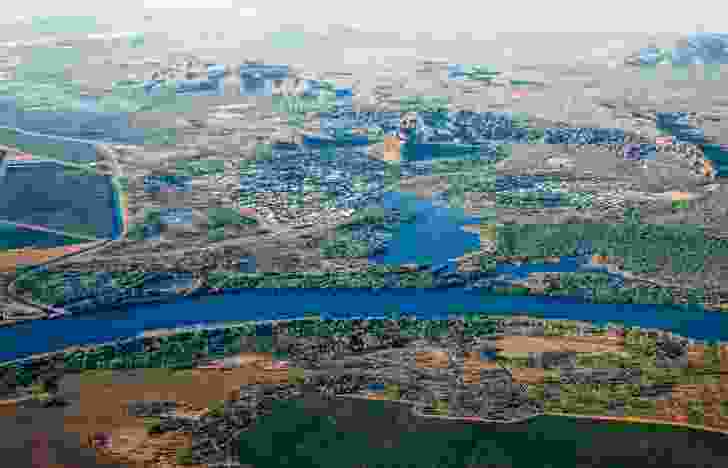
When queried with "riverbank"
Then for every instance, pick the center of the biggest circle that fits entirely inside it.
(387, 368)
(636, 420)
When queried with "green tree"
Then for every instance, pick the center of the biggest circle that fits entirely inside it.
(153, 425)
(184, 456)
(217, 409)
(695, 412)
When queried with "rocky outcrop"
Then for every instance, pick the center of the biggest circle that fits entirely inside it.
(671, 353)
(147, 409)
(600, 376)
(552, 359)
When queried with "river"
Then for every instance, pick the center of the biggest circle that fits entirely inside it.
(435, 236)
(268, 304)
(355, 432)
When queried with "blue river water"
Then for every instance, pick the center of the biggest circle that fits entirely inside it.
(270, 304)
(436, 237)
(565, 265)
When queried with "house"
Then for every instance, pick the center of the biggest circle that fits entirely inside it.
(311, 87)
(599, 259)
(264, 71)
(344, 98)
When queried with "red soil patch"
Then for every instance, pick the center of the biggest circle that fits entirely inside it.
(11, 259)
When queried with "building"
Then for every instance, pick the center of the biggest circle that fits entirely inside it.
(257, 79)
(344, 99)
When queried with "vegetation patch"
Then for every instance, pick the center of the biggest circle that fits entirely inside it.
(597, 288)
(184, 456)
(440, 408)
(642, 246)
(202, 167)
(432, 104)
(344, 247)
(150, 225)
(153, 426)
(217, 409)
(220, 217)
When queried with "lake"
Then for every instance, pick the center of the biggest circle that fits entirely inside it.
(436, 237)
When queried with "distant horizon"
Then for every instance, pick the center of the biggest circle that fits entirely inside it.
(379, 16)
(370, 38)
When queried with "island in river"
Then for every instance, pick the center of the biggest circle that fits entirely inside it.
(483, 370)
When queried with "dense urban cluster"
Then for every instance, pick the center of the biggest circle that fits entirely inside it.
(703, 48)
(584, 136)
(473, 128)
(679, 124)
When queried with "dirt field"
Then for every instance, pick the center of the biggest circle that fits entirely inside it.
(102, 400)
(526, 344)
(472, 366)
(11, 259)
(431, 360)
(528, 375)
